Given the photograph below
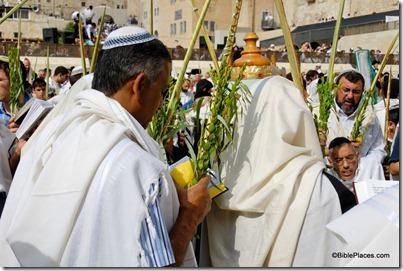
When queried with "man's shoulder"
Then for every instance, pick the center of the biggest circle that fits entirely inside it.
(127, 149)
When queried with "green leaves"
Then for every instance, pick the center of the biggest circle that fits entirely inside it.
(218, 130)
(357, 132)
(326, 99)
(16, 80)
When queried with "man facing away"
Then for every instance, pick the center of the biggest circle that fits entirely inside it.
(92, 189)
(279, 200)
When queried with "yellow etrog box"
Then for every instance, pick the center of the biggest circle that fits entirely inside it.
(182, 173)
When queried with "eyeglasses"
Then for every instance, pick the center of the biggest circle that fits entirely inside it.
(350, 158)
(355, 92)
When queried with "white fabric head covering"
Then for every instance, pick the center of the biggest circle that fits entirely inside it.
(271, 172)
(74, 15)
(344, 72)
(127, 35)
(78, 70)
(394, 104)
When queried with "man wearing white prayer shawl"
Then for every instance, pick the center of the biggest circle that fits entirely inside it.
(347, 165)
(92, 189)
(6, 141)
(279, 202)
(348, 100)
(369, 232)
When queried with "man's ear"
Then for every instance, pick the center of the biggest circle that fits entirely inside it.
(391, 124)
(330, 162)
(139, 84)
(330, 158)
(358, 155)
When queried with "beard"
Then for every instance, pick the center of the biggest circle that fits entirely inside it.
(348, 109)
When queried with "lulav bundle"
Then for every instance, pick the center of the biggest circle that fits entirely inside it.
(16, 81)
(357, 132)
(326, 100)
(218, 129)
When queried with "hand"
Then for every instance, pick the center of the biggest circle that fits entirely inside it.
(195, 202)
(386, 171)
(14, 160)
(356, 143)
(21, 144)
(12, 126)
(181, 140)
(322, 137)
(169, 147)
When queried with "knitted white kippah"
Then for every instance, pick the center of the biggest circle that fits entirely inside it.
(127, 35)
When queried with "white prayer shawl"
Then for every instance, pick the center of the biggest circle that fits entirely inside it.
(63, 104)
(271, 173)
(341, 125)
(312, 89)
(6, 140)
(369, 168)
(381, 112)
(40, 229)
(368, 229)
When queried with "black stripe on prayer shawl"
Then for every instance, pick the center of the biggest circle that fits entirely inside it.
(346, 197)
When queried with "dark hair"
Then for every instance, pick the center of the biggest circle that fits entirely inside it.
(394, 88)
(338, 142)
(118, 65)
(351, 76)
(289, 76)
(394, 115)
(6, 67)
(311, 74)
(202, 88)
(74, 78)
(38, 82)
(62, 70)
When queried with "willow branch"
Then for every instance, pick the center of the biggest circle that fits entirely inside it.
(334, 44)
(80, 32)
(177, 89)
(206, 37)
(292, 55)
(97, 42)
(12, 11)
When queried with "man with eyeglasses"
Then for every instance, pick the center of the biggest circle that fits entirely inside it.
(349, 85)
(344, 160)
(347, 164)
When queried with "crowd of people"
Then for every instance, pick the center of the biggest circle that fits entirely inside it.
(90, 187)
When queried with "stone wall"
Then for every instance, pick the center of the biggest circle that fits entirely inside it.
(311, 11)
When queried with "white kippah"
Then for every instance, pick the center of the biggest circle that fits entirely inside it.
(78, 70)
(127, 35)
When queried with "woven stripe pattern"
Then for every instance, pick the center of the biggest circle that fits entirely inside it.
(127, 40)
